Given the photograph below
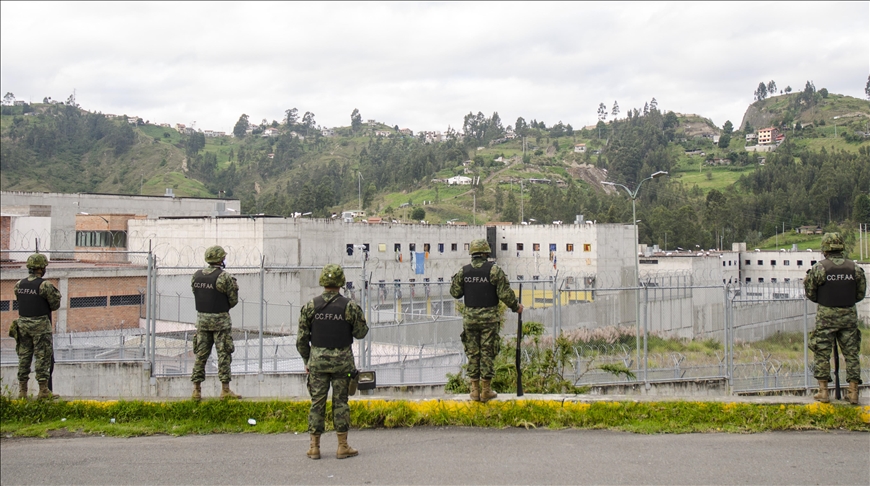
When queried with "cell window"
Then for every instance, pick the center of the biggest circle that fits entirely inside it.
(760, 262)
(4, 306)
(504, 247)
(748, 280)
(812, 262)
(569, 247)
(786, 262)
(760, 279)
(800, 263)
(453, 247)
(773, 263)
(773, 280)
(587, 247)
(426, 247)
(125, 299)
(465, 246)
(440, 247)
(397, 247)
(748, 262)
(412, 247)
(15, 305)
(82, 302)
(536, 247)
(519, 247)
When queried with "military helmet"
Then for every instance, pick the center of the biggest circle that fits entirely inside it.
(479, 246)
(37, 260)
(215, 254)
(332, 276)
(832, 242)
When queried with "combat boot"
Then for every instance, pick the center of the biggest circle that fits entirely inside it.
(197, 392)
(853, 392)
(486, 393)
(44, 392)
(22, 389)
(475, 390)
(822, 395)
(314, 449)
(344, 450)
(227, 393)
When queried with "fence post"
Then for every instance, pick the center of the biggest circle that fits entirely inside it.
(148, 313)
(262, 305)
(806, 355)
(729, 324)
(645, 332)
(153, 320)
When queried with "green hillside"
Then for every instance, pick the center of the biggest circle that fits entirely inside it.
(713, 188)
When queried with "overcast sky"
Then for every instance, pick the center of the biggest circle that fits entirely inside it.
(425, 65)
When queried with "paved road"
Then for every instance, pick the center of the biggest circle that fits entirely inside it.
(451, 455)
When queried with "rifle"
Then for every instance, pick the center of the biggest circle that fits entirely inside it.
(836, 371)
(519, 344)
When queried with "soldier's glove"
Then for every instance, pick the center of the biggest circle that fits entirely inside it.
(353, 383)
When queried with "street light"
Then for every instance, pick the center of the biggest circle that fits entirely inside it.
(633, 196)
(360, 189)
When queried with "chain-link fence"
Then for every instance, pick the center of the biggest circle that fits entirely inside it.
(138, 311)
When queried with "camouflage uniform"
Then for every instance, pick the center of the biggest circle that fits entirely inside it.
(34, 335)
(215, 329)
(481, 325)
(329, 365)
(838, 324)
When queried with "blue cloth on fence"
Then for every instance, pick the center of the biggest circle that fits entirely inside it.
(420, 259)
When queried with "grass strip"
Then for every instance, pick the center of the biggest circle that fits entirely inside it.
(30, 418)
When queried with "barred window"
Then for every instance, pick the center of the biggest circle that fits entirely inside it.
(101, 239)
(80, 302)
(15, 305)
(504, 247)
(4, 306)
(125, 299)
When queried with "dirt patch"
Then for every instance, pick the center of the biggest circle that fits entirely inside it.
(590, 174)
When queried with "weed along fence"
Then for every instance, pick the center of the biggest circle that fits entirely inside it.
(668, 328)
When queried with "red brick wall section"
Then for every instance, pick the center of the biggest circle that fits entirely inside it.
(5, 230)
(87, 318)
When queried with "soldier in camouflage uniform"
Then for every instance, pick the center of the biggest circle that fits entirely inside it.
(215, 292)
(836, 284)
(483, 284)
(32, 330)
(327, 326)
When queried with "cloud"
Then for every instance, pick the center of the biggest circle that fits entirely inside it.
(425, 65)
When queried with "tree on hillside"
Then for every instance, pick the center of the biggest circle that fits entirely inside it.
(788, 89)
(867, 88)
(521, 127)
(725, 138)
(418, 214)
(646, 108)
(653, 104)
(291, 116)
(771, 87)
(569, 130)
(355, 120)
(241, 126)
(308, 121)
(761, 92)
(823, 92)
(602, 112)
(9, 98)
(615, 111)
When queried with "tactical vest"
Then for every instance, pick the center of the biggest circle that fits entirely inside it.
(208, 298)
(840, 284)
(30, 303)
(329, 328)
(478, 290)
